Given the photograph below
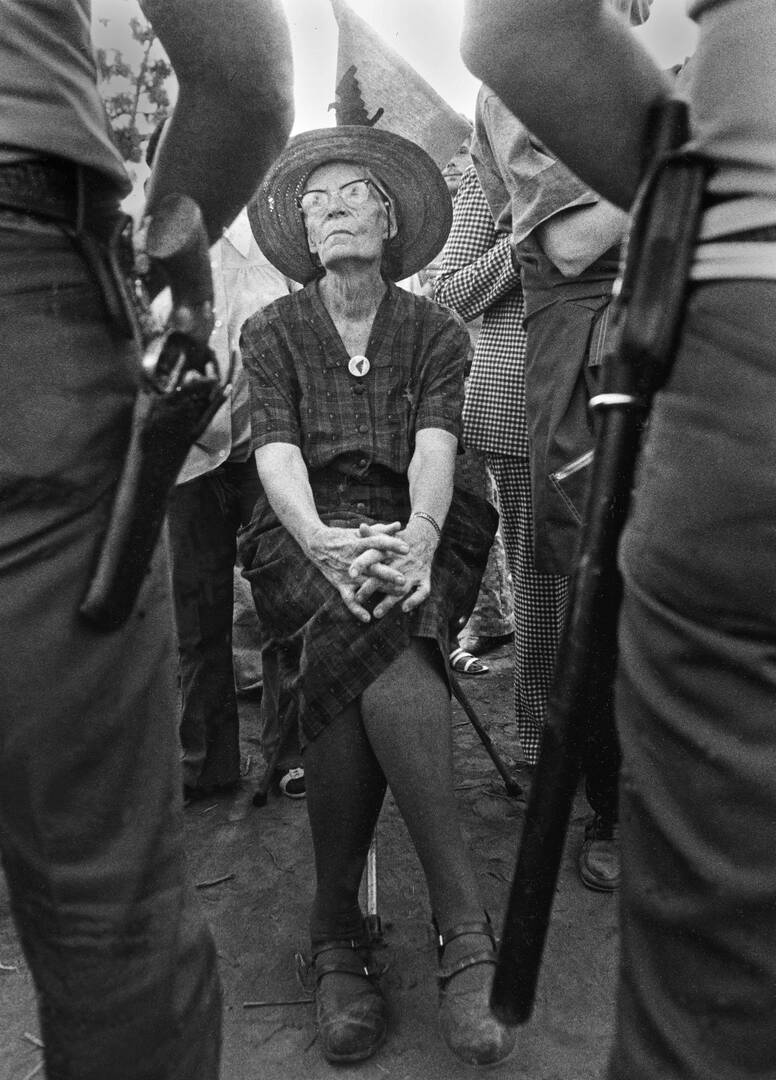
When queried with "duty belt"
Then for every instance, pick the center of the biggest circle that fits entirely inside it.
(58, 190)
(761, 234)
(85, 204)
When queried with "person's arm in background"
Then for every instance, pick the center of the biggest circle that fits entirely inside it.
(573, 239)
(571, 224)
(234, 108)
(477, 268)
(250, 280)
(574, 74)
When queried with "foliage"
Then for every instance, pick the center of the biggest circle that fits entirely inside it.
(134, 90)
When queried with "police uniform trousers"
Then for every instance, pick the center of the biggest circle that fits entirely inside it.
(696, 708)
(90, 793)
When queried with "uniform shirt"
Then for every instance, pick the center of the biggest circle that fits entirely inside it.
(730, 84)
(49, 103)
(243, 282)
(507, 156)
(478, 277)
(303, 393)
(732, 94)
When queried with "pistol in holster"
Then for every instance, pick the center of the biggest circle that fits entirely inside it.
(179, 393)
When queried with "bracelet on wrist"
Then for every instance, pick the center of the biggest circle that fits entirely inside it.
(427, 517)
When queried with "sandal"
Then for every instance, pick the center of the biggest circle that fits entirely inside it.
(350, 1013)
(468, 1026)
(291, 782)
(464, 663)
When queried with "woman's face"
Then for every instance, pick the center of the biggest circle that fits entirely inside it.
(346, 219)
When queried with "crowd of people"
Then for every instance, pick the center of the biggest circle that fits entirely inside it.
(374, 331)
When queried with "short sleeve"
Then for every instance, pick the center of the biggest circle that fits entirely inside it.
(442, 374)
(274, 393)
(538, 185)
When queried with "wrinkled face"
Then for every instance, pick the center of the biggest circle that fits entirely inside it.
(454, 169)
(345, 214)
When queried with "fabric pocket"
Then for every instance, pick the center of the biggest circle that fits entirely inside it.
(571, 483)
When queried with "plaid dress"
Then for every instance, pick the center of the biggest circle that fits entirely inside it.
(356, 435)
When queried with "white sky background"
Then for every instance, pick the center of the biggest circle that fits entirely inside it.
(425, 32)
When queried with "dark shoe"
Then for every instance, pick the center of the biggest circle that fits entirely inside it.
(486, 644)
(349, 1008)
(196, 793)
(599, 859)
(291, 783)
(468, 1026)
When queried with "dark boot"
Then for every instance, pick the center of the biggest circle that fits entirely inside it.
(350, 1010)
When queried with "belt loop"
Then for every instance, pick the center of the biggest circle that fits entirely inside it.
(80, 208)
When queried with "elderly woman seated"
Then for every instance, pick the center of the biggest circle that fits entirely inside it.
(361, 556)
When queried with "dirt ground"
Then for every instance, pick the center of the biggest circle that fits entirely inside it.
(253, 868)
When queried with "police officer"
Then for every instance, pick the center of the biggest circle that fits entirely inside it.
(697, 680)
(90, 803)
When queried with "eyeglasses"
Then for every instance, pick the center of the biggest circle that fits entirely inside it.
(354, 194)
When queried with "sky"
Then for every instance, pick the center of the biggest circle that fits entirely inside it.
(425, 32)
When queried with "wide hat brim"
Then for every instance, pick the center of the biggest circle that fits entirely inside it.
(410, 176)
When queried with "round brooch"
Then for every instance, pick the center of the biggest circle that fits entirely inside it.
(358, 365)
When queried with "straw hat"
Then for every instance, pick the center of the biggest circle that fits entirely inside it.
(406, 171)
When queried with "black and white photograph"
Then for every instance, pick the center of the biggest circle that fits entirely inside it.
(387, 533)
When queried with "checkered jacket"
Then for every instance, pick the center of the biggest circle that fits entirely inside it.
(478, 277)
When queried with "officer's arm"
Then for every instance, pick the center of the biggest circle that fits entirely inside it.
(574, 74)
(234, 108)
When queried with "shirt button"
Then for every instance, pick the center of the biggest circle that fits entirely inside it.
(361, 507)
(362, 463)
(218, 323)
(363, 429)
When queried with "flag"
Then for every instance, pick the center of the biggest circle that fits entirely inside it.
(377, 87)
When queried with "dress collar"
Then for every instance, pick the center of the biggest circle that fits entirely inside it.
(386, 322)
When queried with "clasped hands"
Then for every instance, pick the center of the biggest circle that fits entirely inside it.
(379, 558)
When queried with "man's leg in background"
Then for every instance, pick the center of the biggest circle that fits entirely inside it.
(203, 525)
